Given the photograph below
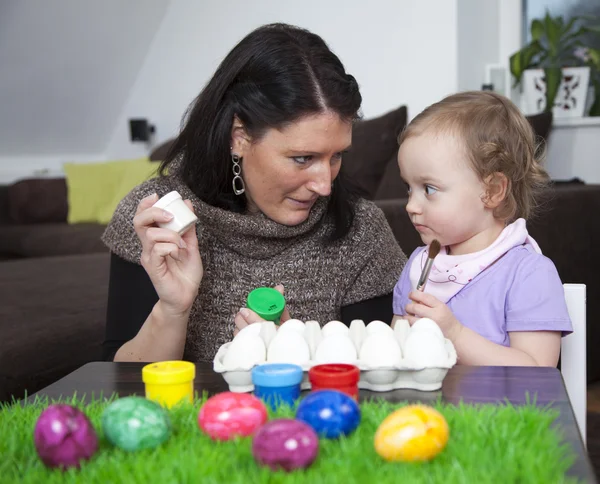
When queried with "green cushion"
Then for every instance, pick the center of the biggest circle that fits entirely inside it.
(95, 189)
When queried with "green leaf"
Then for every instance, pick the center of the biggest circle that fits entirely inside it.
(595, 29)
(553, 78)
(594, 57)
(569, 25)
(523, 59)
(553, 31)
(537, 29)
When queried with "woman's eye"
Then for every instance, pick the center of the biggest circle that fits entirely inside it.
(337, 157)
(429, 190)
(302, 160)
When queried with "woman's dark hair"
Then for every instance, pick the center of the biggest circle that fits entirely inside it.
(276, 75)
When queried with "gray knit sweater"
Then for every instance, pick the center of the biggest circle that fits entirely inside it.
(241, 252)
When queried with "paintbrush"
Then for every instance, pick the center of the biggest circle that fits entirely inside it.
(434, 250)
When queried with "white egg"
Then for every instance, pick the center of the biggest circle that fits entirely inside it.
(250, 330)
(426, 324)
(293, 325)
(425, 349)
(377, 326)
(244, 353)
(334, 327)
(336, 348)
(288, 347)
(379, 350)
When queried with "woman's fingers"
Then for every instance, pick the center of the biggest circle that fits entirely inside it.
(151, 216)
(146, 203)
(156, 235)
(160, 251)
(240, 319)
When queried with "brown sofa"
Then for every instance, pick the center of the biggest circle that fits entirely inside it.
(54, 276)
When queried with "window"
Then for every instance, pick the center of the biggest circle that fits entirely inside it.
(533, 9)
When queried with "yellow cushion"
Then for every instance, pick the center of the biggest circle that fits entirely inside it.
(95, 189)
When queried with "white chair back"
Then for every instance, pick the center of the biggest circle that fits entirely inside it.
(573, 355)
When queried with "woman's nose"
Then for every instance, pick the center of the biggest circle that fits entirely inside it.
(321, 182)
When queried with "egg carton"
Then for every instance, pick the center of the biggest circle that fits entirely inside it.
(416, 357)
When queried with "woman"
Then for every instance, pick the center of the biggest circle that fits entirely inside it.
(259, 159)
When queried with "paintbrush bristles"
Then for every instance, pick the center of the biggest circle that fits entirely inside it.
(434, 249)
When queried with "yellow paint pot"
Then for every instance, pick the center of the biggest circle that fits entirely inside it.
(169, 382)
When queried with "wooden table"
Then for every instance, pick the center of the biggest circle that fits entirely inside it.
(469, 384)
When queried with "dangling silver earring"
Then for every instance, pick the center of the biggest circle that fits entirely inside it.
(238, 183)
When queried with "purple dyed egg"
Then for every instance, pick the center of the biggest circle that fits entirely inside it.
(285, 444)
(64, 436)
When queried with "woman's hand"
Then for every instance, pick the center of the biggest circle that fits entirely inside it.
(246, 316)
(427, 306)
(172, 261)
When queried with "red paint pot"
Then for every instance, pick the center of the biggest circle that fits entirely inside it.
(335, 376)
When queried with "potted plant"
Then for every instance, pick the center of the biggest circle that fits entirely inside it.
(552, 51)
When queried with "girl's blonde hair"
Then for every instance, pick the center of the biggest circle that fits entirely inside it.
(497, 138)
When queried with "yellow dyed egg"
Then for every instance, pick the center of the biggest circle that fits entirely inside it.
(412, 433)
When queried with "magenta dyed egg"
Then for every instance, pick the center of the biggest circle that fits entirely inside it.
(64, 436)
(285, 444)
(228, 415)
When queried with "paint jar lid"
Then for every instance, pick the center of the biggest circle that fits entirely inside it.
(168, 372)
(267, 302)
(334, 375)
(277, 375)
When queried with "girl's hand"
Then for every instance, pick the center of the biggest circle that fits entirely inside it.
(427, 306)
(172, 261)
(246, 316)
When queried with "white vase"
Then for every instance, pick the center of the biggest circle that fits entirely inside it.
(570, 99)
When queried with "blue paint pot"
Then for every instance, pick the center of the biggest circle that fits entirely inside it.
(277, 383)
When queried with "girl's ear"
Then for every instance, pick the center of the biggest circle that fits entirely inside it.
(497, 186)
(240, 141)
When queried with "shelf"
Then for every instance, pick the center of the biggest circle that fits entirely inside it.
(569, 122)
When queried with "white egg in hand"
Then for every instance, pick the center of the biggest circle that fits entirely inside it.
(425, 349)
(244, 353)
(380, 351)
(334, 327)
(336, 348)
(288, 347)
(378, 326)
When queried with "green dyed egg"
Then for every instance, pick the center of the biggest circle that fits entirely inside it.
(135, 423)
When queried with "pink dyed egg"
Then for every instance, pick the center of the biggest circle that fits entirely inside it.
(64, 436)
(285, 444)
(228, 415)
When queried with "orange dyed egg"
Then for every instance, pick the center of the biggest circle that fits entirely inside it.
(412, 433)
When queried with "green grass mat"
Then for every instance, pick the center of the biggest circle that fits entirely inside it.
(488, 444)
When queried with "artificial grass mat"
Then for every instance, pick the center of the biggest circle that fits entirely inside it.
(488, 443)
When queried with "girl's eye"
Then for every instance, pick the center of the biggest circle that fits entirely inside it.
(302, 160)
(337, 157)
(429, 190)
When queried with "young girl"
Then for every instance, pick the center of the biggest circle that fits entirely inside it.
(473, 174)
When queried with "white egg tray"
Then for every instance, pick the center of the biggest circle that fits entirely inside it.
(416, 357)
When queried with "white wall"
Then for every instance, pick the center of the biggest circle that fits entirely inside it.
(478, 41)
(574, 152)
(66, 70)
(79, 70)
(400, 51)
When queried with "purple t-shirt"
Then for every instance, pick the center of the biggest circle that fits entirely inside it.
(520, 292)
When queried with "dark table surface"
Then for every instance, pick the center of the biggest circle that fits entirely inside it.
(469, 384)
